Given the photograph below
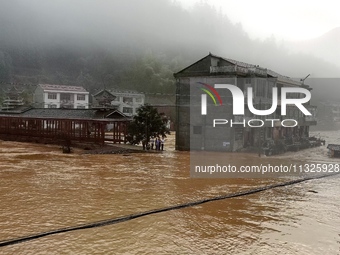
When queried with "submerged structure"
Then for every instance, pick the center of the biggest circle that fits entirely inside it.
(60, 125)
(208, 123)
(333, 150)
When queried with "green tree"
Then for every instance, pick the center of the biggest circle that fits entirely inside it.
(145, 123)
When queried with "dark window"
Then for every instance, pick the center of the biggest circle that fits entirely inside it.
(127, 100)
(65, 97)
(127, 110)
(139, 100)
(52, 96)
(81, 97)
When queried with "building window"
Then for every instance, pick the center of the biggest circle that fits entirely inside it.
(127, 110)
(52, 96)
(197, 130)
(139, 100)
(52, 106)
(127, 100)
(65, 97)
(81, 97)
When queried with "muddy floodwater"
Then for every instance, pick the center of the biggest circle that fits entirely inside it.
(42, 189)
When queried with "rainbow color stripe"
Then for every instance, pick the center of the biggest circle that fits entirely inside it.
(210, 92)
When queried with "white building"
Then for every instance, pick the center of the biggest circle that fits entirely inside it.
(126, 102)
(61, 96)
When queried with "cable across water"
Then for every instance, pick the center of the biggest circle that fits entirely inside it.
(155, 211)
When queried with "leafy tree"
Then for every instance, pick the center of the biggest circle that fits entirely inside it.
(145, 123)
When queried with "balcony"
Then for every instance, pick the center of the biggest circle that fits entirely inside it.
(228, 69)
(258, 71)
(239, 70)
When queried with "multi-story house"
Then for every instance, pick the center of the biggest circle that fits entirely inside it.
(126, 102)
(61, 96)
(195, 130)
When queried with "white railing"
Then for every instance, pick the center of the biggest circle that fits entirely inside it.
(222, 69)
(258, 71)
(239, 69)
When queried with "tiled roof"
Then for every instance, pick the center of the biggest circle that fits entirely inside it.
(126, 92)
(239, 63)
(120, 93)
(58, 113)
(247, 65)
(62, 88)
(275, 74)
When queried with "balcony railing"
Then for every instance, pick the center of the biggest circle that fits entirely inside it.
(238, 69)
(222, 69)
(258, 71)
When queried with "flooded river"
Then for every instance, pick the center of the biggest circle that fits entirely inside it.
(42, 189)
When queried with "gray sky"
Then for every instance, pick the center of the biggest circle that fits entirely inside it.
(36, 29)
(289, 20)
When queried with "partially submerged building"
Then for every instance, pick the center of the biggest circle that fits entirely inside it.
(195, 131)
(52, 125)
(333, 150)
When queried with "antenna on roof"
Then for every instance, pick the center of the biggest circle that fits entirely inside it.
(303, 80)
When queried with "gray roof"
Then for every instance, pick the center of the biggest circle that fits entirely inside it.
(54, 87)
(247, 65)
(239, 63)
(58, 113)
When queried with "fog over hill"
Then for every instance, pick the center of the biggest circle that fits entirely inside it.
(325, 47)
(133, 44)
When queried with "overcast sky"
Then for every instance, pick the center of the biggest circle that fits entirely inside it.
(289, 20)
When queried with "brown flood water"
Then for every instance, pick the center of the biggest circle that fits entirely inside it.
(42, 189)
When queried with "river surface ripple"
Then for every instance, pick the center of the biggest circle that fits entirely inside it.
(42, 189)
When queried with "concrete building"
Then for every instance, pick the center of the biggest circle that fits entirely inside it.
(61, 96)
(195, 131)
(126, 102)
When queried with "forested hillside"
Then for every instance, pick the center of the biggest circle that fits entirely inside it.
(130, 45)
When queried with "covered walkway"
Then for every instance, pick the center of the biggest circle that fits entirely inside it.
(55, 130)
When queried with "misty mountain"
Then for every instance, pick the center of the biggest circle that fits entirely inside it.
(131, 44)
(325, 47)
